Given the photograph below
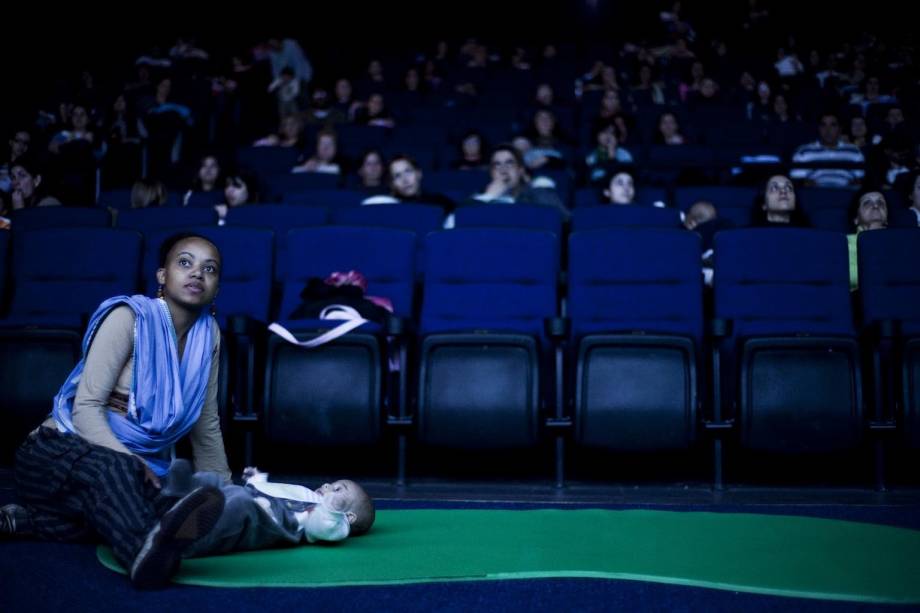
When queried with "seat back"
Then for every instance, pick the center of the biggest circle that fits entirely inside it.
(617, 216)
(489, 278)
(277, 185)
(331, 198)
(4, 268)
(635, 279)
(156, 218)
(524, 216)
(418, 218)
(70, 271)
(36, 218)
(889, 280)
(385, 256)
(782, 281)
(277, 217)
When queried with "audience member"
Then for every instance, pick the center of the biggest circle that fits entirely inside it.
(829, 148)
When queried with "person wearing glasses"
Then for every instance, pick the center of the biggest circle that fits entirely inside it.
(510, 184)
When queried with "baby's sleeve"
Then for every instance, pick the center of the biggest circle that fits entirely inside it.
(324, 525)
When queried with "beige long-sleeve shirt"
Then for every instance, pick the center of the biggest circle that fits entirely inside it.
(110, 367)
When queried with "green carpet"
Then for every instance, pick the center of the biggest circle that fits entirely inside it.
(766, 554)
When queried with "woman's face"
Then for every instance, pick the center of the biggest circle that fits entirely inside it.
(747, 80)
(22, 181)
(873, 212)
(343, 90)
(645, 74)
(326, 148)
(667, 125)
(609, 76)
(621, 189)
(291, 128)
(375, 104)
(406, 179)
(209, 170)
(472, 147)
(545, 94)
(696, 71)
(164, 87)
(607, 137)
(858, 127)
(236, 192)
(779, 105)
(412, 80)
(79, 118)
(191, 274)
(544, 123)
(611, 101)
(780, 195)
(371, 170)
(708, 88)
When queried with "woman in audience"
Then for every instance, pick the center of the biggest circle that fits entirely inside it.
(471, 152)
(147, 193)
(205, 188)
(621, 189)
(913, 196)
(868, 211)
(342, 93)
(238, 191)
(606, 152)
(375, 113)
(647, 92)
(371, 175)
(777, 205)
(122, 143)
(27, 185)
(611, 111)
(79, 130)
(547, 149)
(668, 132)
(290, 134)
(325, 158)
(858, 134)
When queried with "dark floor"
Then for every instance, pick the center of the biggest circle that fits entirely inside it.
(49, 577)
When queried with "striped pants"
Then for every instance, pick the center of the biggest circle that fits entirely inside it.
(74, 491)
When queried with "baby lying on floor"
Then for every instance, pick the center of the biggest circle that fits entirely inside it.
(260, 514)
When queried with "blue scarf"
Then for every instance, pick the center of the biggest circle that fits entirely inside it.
(166, 394)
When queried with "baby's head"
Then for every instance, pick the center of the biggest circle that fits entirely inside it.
(350, 498)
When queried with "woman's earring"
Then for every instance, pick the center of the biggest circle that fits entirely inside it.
(160, 292)
(213, 309)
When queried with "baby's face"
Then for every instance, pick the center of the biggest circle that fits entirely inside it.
(339, 495)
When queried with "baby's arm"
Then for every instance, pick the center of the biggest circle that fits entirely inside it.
(259, 480)
(322, 524)
(251, 474)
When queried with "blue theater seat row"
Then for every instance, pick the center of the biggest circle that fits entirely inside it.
(495, 353)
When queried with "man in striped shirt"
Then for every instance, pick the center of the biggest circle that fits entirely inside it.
(830, 149)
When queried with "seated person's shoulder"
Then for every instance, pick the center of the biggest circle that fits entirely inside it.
(122, 316)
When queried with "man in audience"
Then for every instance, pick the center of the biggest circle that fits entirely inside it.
(510, 184)
(829, 148)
